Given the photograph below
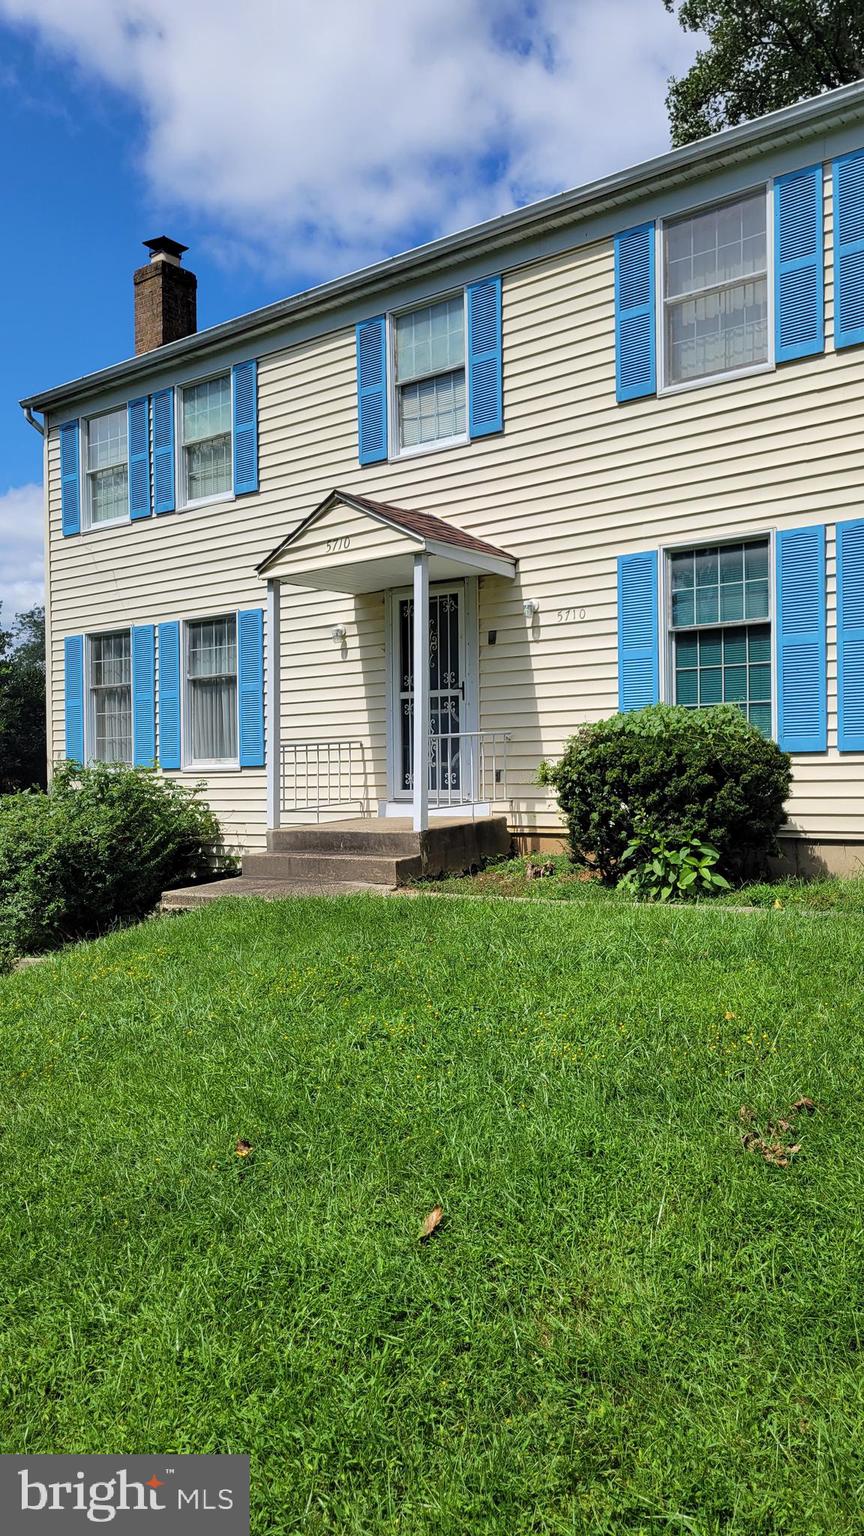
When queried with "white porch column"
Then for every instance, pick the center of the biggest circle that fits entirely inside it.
(421, 692)
(272, 732)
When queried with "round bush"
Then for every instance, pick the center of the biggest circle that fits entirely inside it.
(677, 774)
(96, 851)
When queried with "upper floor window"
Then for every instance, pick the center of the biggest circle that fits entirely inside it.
(429, 373)
(715, 291)
(205, 437)
(111, 697)
(720, 630)
(211, 684)
(107, 499)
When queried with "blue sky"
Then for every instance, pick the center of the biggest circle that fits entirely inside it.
(283, 144)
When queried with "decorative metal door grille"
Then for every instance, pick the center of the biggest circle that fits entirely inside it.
(446, 693)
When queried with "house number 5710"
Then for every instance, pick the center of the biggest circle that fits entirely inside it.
(334, 545)
(567, 615)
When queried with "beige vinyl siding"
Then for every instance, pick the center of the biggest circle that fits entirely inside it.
(574, 481)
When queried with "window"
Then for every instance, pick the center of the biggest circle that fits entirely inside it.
(205, 426)
(107, 468)
(715, 290)
(211, 678)
(429, 370)
(720, 628)
(111, 697)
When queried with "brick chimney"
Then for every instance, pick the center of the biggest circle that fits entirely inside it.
(165, 296)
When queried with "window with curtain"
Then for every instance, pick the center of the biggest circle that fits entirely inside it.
(206, 432)
(212, 689)
(111, 697)
(715, 290)
(720, 628)
(107, 468)
(429, 366)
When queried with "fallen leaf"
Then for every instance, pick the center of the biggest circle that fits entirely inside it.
(805, 1105)
(432, 1221)
(242, 1148)
(778, 906)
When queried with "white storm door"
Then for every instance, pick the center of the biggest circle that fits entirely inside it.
(445, 659)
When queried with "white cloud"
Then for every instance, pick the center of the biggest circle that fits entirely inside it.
(317, 137)
(21, 544)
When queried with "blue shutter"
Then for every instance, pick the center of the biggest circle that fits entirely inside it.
(138, 412)
(169, 695)
(635, 347)
(70, 494)
(244, 383)
(801, 683)
(162, 405)
(638, 639)
(250, 686)
(849, 249)
(850, 636)
(73, 679)
(485, 396)
(143, 695)
(799, 281)
(372, 389)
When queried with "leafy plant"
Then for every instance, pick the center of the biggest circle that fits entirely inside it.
(662, 873)
(689, 775)
(95, 852)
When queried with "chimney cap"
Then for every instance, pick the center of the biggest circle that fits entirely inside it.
(163, 245)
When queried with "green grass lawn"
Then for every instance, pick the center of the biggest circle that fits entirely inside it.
(626, 1322)
(566, 882)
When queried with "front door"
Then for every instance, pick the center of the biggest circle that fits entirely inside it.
(446, 662)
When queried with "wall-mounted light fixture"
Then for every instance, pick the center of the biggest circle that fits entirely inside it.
(338, 633)
(530, 607)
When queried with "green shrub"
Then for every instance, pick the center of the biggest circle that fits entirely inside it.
(675, 775)
(96, 852)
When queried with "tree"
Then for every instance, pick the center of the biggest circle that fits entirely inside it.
(23, 753)
(761, 55)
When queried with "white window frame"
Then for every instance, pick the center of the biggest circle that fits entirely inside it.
(660, 287)
(88, 526)
(190, 764)
(89, 710)
(396, 451)
(667, 633)
(183, 503)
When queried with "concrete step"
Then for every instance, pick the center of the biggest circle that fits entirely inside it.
(186, 898)
(341, 839)
(371, 869)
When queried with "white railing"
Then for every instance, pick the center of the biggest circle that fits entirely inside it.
(468, 767)
(321, 776)
(465, 768)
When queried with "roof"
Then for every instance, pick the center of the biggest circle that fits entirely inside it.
(420, 525)
(803, 120)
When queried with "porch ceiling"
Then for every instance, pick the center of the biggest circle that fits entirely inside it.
(352, 544)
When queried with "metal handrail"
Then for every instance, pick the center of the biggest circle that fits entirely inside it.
(321, 775)
(468, 767)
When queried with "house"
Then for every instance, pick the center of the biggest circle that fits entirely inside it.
(601, 451)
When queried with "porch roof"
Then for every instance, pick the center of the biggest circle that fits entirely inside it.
(353, 544)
